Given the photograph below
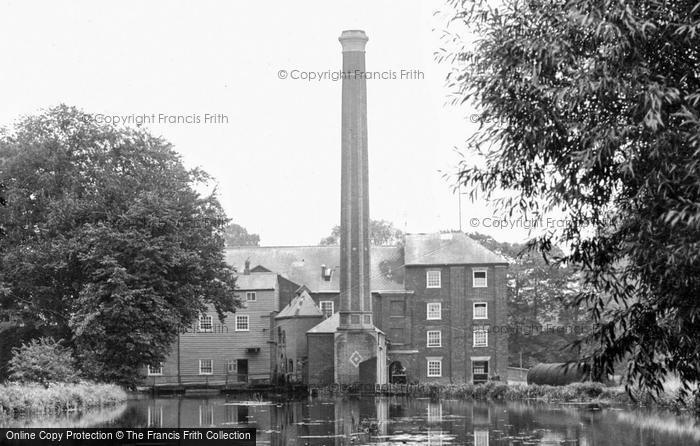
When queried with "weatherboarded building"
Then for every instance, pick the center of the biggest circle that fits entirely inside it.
(237, 351)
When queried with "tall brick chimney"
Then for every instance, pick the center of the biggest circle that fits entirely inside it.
(358, 344)
(355, 296)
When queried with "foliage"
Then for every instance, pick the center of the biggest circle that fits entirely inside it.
(381, 233)
(108, 243)
(16, 399)
(237, 235)
(592, 108)
(3, 202)
(42, 361)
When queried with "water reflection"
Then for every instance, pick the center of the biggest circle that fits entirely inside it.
(392, 420)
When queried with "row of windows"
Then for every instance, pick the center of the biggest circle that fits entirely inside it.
(206, 367)
(206, 323)
(480, 367)
(433, 279)
(480, 338)
(434, 310)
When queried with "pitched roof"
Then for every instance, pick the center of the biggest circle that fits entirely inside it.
(452, 248)
(302, 265)
(329, 325)
(256, 281)
(301, 306)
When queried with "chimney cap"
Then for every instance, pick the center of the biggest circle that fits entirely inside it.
(353, 40)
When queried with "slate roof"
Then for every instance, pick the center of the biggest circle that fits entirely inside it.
(302, 305)
(256, 281)
(329, 325)
(447, 249)
(302, 265)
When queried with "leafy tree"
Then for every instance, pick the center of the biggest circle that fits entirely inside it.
(237, 235)
(108, 244)
(3, 202)
(592, 107)
(42, 361)
(381, 233)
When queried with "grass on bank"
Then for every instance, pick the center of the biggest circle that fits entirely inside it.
(586, 392)
(20, 399)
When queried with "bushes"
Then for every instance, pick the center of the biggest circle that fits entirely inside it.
(42, 361)
(16, 399)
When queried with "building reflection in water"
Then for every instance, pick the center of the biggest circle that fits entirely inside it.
(347, 421)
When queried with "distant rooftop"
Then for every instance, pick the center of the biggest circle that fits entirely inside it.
(451, 248)
(302, 265)
(256, 281)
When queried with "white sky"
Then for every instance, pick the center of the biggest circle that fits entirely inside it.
(277, 161)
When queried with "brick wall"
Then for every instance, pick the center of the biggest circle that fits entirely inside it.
(321, 359)
(456, 296)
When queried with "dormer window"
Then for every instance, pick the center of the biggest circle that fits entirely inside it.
(326, 273)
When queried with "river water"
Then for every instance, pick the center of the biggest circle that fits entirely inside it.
(391, 420)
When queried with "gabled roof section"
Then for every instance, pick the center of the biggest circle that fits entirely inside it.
(256, 281)
(329, 325)
(452, 248)
(302, 265)
(301, 306)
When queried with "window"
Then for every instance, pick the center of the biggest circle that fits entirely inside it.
(434, 367)
(481, 337)
(206, 323)
(434, 338)
(250, 296)
(434, 311)
(432, 279)
(479, 276)
(206, 366)
(243, 323)
(231, 366)
(480, 310)
(155, 371)
(480, 367)
(327, 308)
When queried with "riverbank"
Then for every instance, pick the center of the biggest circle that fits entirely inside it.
(589, 394)
(35, 399)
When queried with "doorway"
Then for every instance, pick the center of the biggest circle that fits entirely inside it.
(480, 372)
(397, 373)
(242, 365)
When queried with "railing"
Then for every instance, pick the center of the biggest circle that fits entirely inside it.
(214, 380)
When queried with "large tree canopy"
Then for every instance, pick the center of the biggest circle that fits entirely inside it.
(237, 235)
(107, 243)
(381, 233)
(592, 107)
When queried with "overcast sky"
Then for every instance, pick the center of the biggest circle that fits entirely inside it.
(277, 160)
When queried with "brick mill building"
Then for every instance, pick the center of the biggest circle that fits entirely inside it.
(440, 299)
(431, 310)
